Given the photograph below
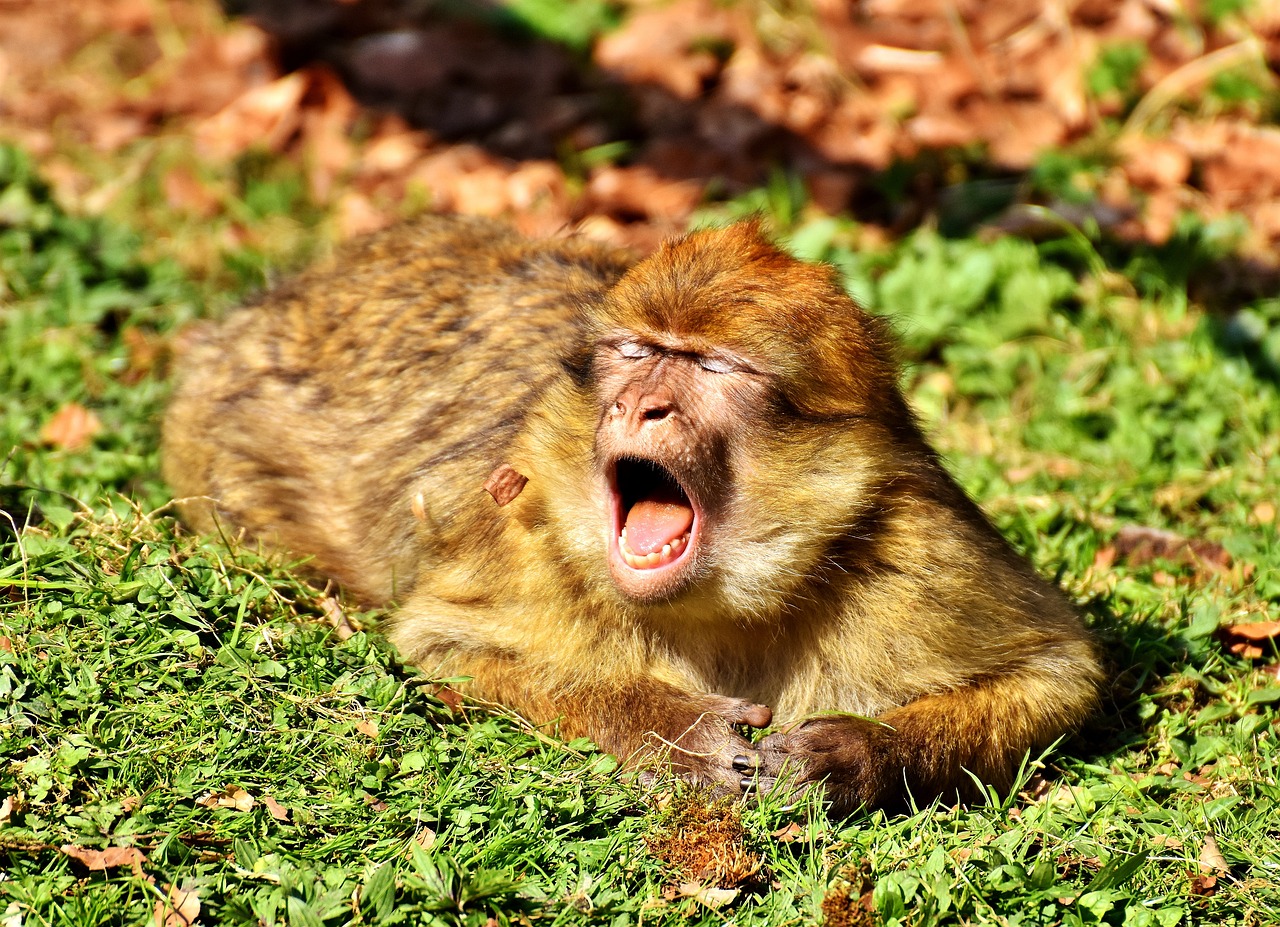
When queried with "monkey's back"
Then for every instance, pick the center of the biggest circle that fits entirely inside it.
(306, 418)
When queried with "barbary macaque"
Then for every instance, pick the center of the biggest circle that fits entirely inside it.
(709, 506)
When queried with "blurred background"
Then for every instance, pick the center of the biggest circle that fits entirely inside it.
(1144, 120)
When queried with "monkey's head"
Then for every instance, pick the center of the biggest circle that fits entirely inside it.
(737, 392)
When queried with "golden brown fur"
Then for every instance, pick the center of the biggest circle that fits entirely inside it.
(354, 415)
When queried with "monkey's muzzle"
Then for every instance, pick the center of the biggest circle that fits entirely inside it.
(655, 526)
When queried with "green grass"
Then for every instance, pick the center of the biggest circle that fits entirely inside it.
(146, 672)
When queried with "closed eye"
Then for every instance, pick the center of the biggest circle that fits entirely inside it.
(634, 349)
(716, 365)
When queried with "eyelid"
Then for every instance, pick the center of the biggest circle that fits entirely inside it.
(634, 349)
(716, 364)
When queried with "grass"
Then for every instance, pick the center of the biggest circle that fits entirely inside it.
(152, 683)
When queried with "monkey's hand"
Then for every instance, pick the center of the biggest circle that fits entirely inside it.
(700, 739)
(852, 758)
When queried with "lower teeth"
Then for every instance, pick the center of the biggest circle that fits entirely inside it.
(640, 561)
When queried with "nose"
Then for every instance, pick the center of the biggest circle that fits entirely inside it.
(654, 408)
(641, 407)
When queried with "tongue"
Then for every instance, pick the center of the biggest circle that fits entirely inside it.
(657, 520)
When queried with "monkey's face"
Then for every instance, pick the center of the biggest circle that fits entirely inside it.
(735, 393)
(670, 420)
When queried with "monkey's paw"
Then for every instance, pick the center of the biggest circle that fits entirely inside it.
(849, 758)
(704, 745)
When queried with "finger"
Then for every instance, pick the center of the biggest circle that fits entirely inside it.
(755, 716)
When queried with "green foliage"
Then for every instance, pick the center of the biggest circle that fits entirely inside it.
(574, 23)
(71, 291)
(1115, 72)
(144, 672)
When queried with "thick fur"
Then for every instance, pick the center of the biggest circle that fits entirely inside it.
(354, 414)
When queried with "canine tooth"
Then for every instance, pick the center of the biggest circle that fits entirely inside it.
(666, 550)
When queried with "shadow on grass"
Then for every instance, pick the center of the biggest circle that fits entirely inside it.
(475, 71)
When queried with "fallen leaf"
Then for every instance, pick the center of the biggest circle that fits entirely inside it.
(1203, 885)
(703, 894)
(451, 698)
(70, 428)
(367, 728)
(1139, 546)
(110, 858)
(1250, 641)
(265, 116)
(275, 809)
(505, 483)
(179, 908)
(10, 806)
(6, 645)
(185, 192)
(425, 838)
(1037, 788)
(233, 797)
(788, 834)
(148, 352)
(1211, 861)
(130, 803)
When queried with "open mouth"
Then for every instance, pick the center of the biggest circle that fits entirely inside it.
(655, 520)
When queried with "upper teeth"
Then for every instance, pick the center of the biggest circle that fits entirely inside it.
(668, 553)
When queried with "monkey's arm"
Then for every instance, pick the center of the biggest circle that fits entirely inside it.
(633, 716)
(937, 744)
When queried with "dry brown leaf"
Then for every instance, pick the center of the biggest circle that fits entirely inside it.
(1211, 861)
(265, 117)
(358, 216)
(788, 834)
(505, 483)
(130, 803)
(179, 908)
(1140, 546)
(6, 645)
(451, 698)
(70, 428)
(707, 895)
(425, 838)
(110, 858)
(148, 352)
(1251, 641)
(185, 192)
(12, 915)
(275, 809)
(1203, 885)
(233, 797)
(367, 728)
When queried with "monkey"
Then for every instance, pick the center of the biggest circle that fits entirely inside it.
(714, 533)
